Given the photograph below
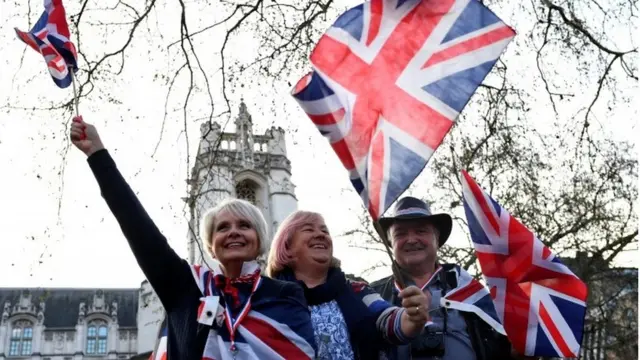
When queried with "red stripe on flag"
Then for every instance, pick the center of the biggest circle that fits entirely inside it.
(493, 291)
(27, 40)
(466, 291)
(57, 64)
(42, 34)
(375, 20)
(555, 333)
(302, 84)
(58, 17)
(516, 314)
(376, 173)
(200, 309)
(492, 264)
(478, 194)
(164, 356)
(273, 338)
(566, 284)
(344, 154)
(337, 61)
(48, 50)
(470, 45)
(327, 119)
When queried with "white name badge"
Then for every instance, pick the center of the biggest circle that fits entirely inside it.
(210, 310)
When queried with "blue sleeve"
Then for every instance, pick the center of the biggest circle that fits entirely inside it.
(388, 316)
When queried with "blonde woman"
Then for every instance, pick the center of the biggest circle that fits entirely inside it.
(350, 320)
(227, 312)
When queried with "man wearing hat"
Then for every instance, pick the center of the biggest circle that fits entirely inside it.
(416, 234)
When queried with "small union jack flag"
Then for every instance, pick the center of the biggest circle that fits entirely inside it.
(50, 37)
(471, 296)
(540, 302)
(390, 78)
(160, 350)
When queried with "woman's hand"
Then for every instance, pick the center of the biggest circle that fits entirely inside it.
(416, 304)
(84, 136)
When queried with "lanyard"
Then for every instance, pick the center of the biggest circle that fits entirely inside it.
(232, 325)
(423, 286)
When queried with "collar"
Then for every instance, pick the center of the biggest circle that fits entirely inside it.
(248, 268)
(330, 290)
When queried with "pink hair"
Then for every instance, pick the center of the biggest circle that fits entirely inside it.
(280, 256)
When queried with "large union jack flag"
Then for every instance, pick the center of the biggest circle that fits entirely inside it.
(50, 37)
(540, 302)
(390, 78)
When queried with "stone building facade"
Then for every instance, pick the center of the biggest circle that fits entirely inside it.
(68, 324)
(75, 324)
(611, 324)
(243, 165)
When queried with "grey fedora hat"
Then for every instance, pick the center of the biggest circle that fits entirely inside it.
(409, 208)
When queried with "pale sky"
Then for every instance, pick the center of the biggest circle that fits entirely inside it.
(55, 229)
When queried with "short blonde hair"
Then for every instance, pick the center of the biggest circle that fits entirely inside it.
(280, 256)
(239, 208)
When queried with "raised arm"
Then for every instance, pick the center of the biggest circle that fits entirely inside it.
(168, 274)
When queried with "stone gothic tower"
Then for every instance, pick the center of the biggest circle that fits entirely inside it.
(242, 165)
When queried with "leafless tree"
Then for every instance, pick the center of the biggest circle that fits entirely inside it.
(611, 330)
(570, 32)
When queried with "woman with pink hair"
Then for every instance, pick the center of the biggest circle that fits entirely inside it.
(350, 320)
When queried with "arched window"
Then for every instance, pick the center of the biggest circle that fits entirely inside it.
(225, 145)
(264, 147)
(232, 145)
(246, 190)
(256, 147)
(21, 338)
(97, 338)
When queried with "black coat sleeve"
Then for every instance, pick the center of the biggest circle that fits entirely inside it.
(169, 275)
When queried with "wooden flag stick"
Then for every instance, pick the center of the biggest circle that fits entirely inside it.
(76, 98)
(398, 274)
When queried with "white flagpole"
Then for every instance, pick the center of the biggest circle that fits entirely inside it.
(75, 91)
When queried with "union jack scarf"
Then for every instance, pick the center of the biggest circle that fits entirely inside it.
(224, 306)
(213, 285)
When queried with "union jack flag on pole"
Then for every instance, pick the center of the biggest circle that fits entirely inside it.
(540, 302)
(50, 37)
(389, 79)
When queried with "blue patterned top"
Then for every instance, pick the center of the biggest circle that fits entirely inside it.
(349, 319)
(330, 331)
